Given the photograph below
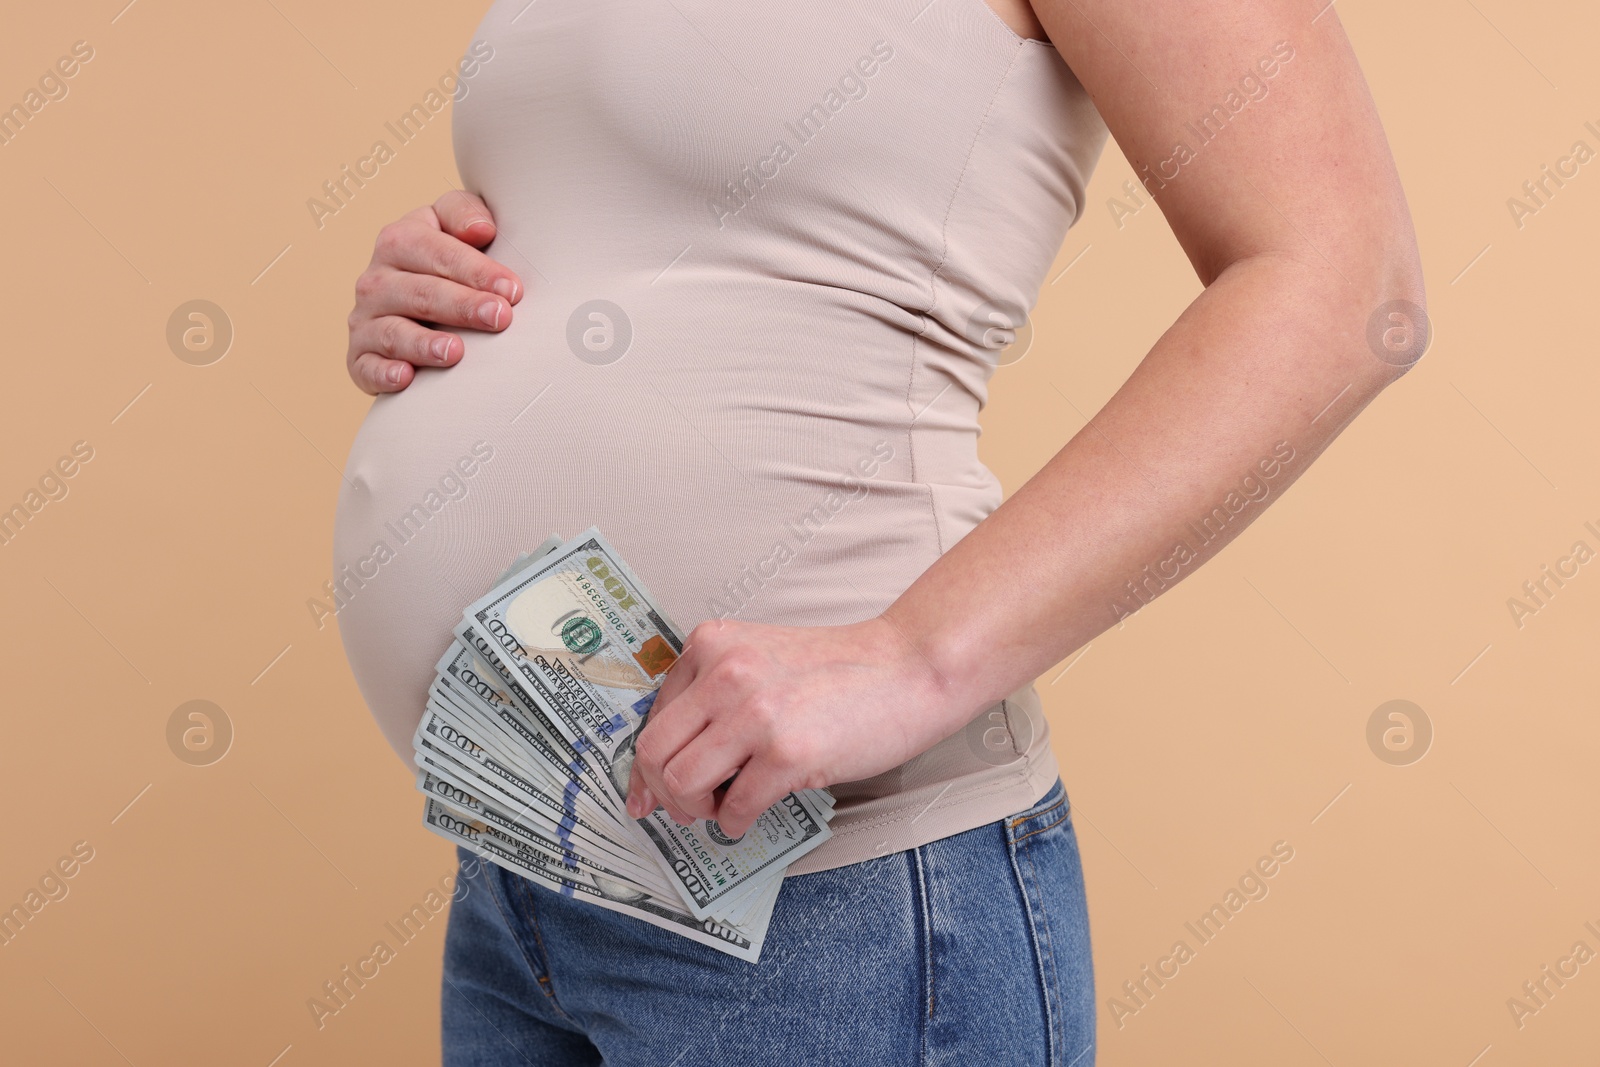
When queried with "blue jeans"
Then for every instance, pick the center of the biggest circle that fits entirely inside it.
(971, 949)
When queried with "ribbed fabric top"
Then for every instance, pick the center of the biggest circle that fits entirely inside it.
(765, 245)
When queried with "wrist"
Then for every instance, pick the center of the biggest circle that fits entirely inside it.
(937, 673)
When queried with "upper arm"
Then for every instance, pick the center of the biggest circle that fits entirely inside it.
(1251, 124)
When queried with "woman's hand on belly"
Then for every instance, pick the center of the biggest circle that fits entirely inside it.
(425, 269)
(784, 708)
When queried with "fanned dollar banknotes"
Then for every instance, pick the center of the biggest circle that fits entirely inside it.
(526, 743)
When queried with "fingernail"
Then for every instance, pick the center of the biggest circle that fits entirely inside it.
(633, 808)
(506, 288)
(393, 374)
(489, 313)
(440, 348)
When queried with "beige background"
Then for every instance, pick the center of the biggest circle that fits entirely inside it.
(1229, 716)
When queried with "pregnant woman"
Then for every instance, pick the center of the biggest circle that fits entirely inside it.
(747, 269)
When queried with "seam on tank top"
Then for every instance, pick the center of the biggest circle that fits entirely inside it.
(933, 285)
(1015, 35)
(957, 798)
(976, 792)
(1011, 735)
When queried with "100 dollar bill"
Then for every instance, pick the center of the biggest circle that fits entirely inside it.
(578, 632)
(492, 844)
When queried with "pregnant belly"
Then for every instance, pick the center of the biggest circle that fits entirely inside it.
(758, 467)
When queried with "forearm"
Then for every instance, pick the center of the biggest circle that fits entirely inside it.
(1231, 405)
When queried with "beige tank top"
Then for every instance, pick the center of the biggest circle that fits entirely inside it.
(771, 253)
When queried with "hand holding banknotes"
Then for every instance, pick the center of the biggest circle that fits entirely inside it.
(780, 709)
(526, 743)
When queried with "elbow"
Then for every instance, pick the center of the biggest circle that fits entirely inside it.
(1394, 299)
(1350, 294)
(1367, 297)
